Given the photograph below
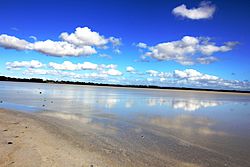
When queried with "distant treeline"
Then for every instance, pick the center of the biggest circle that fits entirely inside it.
(38, 80)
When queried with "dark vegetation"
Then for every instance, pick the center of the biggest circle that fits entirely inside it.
(37, 80)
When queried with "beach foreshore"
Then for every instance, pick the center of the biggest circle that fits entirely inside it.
(29, 140)
(24, 141)
(57, 139)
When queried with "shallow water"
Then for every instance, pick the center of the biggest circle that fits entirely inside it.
(193, 127)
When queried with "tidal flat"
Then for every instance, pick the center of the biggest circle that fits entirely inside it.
(68, 125)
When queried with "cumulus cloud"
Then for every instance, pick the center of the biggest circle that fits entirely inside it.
(130, 69)
(150, 79)
(60, 74)
(67, 65)
(188, 51)
(48, 47)
(102, 72)
(207, 60)
(11, 42)
(193, 75)
(26, 64)
(40, 72)
(194, 78)
(59, 48)
(84, 36)
(204, 11)
(113, 72)
(107, 66)
(83, 41)
(103, 69)
(152, 72)
(115, 41)
(142, 45)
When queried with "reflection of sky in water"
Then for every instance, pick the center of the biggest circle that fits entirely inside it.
(214, 121)
(68, 98)
(129, 104)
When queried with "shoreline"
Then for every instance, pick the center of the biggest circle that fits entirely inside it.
(62, 139)
(150, 87)
(28, 139)
(147, 89)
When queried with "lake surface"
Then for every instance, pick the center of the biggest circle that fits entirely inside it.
(194, 127)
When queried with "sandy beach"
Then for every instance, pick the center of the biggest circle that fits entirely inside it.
(67, 125)
(29, 140)
(25, 142)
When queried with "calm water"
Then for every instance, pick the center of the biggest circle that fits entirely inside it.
(218, 123)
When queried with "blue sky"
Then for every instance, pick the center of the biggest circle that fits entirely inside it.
(201, 44)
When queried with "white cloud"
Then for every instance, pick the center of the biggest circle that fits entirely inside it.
(103, 69)
(67, 65)
(59, 48)
(188, 51)
(33, 37)
(162, 79)
(107, 66)
(193, 75)
(207, 60)
(142, 45)
(192, 78)
(40, 72)
(105, 56)
(82, 42)
(150, 79)
(130, 69)
(105, 72)
(115, 41)
(26, 64)
(209, 49)
(204, 11)
(113, 72)
(11, 42)
(49, 47)
(60, 74)
(84, 37)
(88, 66)
(152, 72)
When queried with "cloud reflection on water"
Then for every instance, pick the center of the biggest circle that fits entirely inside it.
(193, 104)
(78, 99)
(187, 124)
(87, 122)
(184, 104)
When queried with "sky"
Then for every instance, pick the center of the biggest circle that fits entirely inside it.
(182, 43)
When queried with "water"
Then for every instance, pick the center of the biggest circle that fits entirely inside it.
(215, 124)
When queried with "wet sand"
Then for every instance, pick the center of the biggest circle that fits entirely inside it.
(46, 139)
(30, 140)
(24, 141)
